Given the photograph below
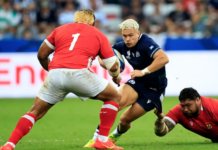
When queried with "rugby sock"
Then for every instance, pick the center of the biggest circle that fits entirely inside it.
(107, 116)
(24, 125)
(96, 133)
(117, 133)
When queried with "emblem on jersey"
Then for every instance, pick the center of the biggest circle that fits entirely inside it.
(128, 55)
(149, 101)
(137, 54)
(191, 123)
(209, 126)
(153, 89)
(132, 81)
(151, 47)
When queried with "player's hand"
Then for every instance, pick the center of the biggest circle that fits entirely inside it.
(136, 73)
(158, 114)
(117, 80)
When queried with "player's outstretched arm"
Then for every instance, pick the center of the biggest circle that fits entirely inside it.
(43, 53)
(162, 126)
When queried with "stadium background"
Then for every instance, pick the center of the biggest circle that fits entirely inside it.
(186, 30)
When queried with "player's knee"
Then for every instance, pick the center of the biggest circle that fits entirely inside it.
(124, 121)
(117, 97)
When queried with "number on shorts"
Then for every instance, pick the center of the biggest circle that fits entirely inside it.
(75, 38)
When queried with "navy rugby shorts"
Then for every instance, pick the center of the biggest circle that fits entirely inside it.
(148, 98)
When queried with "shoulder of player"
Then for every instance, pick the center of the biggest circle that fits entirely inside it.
(176, 109)
(62, 27)
(209, 103)
(145, 39)
(119, 45)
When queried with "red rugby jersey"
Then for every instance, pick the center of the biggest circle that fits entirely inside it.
(206, 124)
(76, 45)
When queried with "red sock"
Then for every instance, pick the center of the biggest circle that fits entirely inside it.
(24, 125)
(107, 116)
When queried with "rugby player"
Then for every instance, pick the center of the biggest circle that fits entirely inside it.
(75, 46)
(196, 113)
(145, 90)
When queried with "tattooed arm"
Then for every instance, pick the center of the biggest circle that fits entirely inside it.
(43, 53)
(162, 125)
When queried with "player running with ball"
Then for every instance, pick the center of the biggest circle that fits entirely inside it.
(75, 46)
(145, 90)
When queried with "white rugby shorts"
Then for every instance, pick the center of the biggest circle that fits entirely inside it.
(81, 82)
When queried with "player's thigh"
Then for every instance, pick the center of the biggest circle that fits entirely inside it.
(110, 93)
(52, 90)
(131, 114)
(39, 108)
(129, 96)
(86, 84)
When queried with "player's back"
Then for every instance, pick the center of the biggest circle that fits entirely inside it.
(76, 45)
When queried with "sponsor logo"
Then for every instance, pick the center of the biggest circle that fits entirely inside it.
(132, 81)
(151, 47)
(153, 89)
(149, 101)
(191, 123)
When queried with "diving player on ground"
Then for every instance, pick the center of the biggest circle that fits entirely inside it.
(196, 113)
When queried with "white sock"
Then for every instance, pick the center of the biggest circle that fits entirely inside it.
(102, 138)
(95, 134)
(12, 144)
(115, 132)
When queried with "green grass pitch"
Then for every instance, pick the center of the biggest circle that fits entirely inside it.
(70, 124)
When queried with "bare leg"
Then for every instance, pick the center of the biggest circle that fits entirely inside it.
(129, 116)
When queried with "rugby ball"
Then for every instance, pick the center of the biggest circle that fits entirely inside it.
(121, 60)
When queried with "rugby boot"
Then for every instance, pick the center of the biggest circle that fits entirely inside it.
(105, 145)
(90, 143)
(113, 138)
(7, 147)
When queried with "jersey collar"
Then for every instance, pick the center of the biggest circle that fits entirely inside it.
(202, 107)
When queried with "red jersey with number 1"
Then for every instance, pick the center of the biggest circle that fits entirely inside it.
(206, 124)
(76, 45)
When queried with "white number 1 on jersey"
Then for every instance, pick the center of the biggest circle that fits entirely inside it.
(75, 38)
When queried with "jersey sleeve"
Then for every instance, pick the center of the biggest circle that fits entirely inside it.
(50, 40)
(173, 115)
(105, 51)
(150, 47)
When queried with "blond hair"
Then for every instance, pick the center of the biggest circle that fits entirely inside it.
(84, 16)
(129, 24)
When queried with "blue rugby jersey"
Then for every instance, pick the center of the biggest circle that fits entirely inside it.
(141, 56)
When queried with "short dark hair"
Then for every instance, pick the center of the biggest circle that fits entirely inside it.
(188, 93)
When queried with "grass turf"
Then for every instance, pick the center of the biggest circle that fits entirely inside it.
(70, 124)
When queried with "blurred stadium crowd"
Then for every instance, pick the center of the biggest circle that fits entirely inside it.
(36, 19)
